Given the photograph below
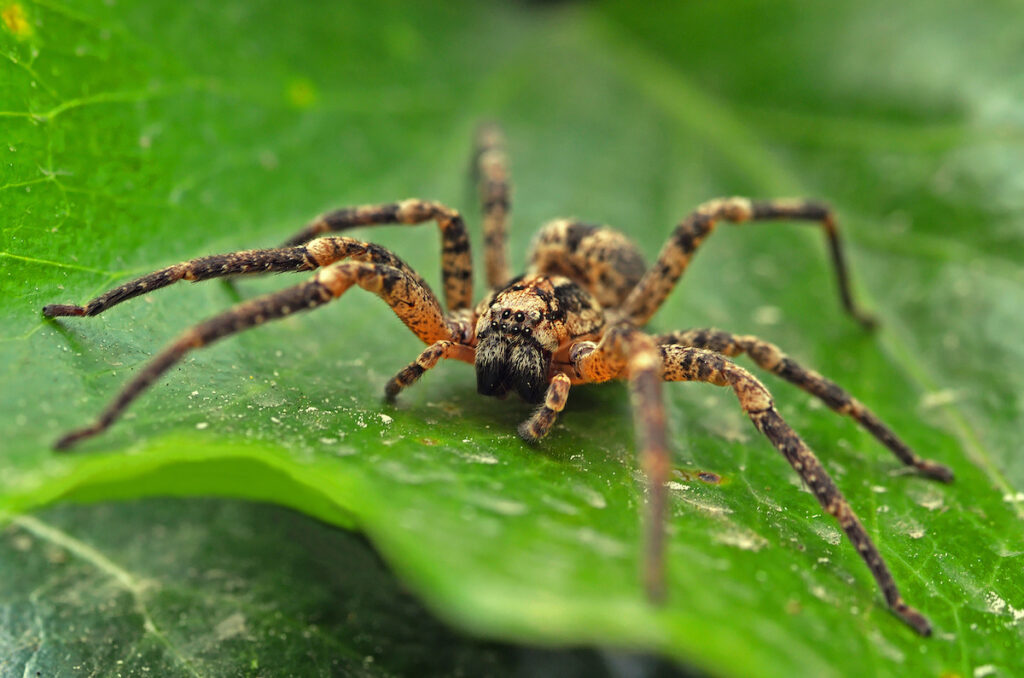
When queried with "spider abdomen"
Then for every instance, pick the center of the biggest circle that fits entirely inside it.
(599, 259)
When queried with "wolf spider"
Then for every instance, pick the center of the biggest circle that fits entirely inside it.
(573, 318)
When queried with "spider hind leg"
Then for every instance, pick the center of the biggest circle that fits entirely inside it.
(768, 356)
(659, 281)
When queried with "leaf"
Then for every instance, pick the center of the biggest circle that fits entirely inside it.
(149, 137)
(197, 587)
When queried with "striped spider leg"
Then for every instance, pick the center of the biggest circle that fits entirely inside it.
(342, 261)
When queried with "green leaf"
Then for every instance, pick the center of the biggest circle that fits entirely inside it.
(141, 135)
(197, 588)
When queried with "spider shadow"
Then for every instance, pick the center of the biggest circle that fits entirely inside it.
(74, 339)
(90, 350)
(594, 415)
(597, 422)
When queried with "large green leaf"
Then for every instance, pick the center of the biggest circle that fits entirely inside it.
(197, 587)
(143, 134)
(217, 587)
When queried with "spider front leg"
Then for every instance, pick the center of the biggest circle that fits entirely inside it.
(660, 279)
(434, 353)
(627, 352)
(297, 258)
(771, 358)
(412, 302)
(538, 425)
(456, 261)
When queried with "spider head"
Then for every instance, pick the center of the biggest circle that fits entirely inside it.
(510, 353)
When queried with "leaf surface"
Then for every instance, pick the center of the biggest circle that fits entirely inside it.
(203, 587)
(141, 135)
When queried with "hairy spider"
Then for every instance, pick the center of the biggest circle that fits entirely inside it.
(572, 318)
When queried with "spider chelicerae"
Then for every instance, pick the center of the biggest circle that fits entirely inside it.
(573, 318)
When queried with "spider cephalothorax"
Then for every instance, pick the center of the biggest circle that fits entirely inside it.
(523, 325)
(573, 318)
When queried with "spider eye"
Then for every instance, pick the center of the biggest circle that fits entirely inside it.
(527, 331)
(506, 313)
(520, 317)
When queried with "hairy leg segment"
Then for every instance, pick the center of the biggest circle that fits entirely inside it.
(427, 360)
(297, 258)
(490, 168)
(620, 353)
(456, 260)
(648, 295)
(538, 425)
(771, 358)
(414, 304)
(625, 352)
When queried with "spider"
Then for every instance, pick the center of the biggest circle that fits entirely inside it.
(573, 318)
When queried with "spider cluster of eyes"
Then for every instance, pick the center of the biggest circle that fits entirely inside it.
(520, 319)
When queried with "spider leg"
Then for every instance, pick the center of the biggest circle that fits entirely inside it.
(307, 257)
(414, 304)
(456, 261)
(617, 355)
(769, 357)
(538, 425)
(434, 353)
(490, 168)
(627, 352)
(660, 279)
(694, 364)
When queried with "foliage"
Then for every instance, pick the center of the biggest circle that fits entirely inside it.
(141, 134)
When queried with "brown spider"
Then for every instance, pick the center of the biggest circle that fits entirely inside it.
(573, 318)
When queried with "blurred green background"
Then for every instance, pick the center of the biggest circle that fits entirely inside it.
(138, 134)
